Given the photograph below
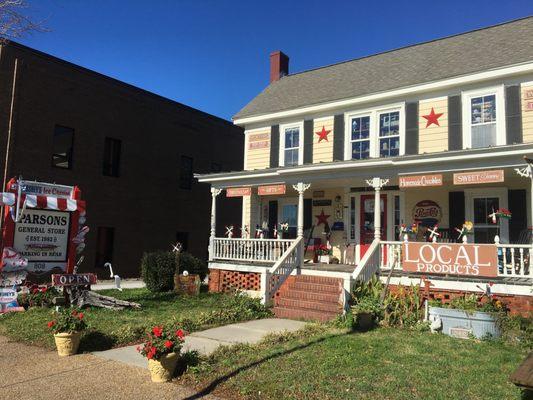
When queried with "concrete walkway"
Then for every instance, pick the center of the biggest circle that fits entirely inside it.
(124, 284)
(205, 342)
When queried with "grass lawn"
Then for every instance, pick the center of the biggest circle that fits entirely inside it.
(111, 328)
(384, 363)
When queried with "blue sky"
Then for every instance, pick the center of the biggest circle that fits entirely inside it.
(214, 55)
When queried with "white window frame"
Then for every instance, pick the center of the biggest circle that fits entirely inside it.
(282, 128)
(374, 114)
(501, 193)
(287, 201)
(466, 97)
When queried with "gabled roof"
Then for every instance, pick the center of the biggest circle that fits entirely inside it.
(488, 48)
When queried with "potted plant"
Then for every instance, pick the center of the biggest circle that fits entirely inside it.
(162, 349)
(324, 254)
(67, 326)
(366, 311)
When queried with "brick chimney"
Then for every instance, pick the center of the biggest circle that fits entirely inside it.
(279, 65)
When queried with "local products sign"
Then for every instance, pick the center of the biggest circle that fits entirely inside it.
(470, 178)
(271, 190)
(427, 212)
(420, 181)
(450, 258)
(238, 192)
(42, 236)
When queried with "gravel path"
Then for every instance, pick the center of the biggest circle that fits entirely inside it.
(28, 372)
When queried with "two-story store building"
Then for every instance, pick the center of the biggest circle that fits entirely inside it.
(435, 132)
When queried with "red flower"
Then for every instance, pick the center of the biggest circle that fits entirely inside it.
(168, 344)
(138, 349)
(50, 324)
(180, 334)
(35, 290)
(74, 312)
(43, 290)
(80, 316)
(151, 353)
(157, 331)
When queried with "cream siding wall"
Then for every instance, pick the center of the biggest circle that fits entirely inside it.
(257, 150)
(527, 112)
(323, 151)
(437, 194)
(433, 138)
(250, 212)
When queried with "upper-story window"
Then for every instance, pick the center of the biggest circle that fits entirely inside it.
(62, 147)
(291, 144)
(483, 118)
(375, 133)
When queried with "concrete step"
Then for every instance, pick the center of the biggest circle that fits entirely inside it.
(310, 296)
(303, 314)
(313, 287)
(331, 307)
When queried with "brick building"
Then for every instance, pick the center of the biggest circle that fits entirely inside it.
(132, 153)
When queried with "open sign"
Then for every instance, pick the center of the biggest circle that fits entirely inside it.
(73, 279)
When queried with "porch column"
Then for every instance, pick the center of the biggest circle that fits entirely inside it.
(301, 188)
(377, 183)
(214, 193)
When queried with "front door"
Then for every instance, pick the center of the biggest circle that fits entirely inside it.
(366, 221)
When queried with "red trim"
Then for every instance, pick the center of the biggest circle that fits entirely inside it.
(42, 202)
(62, 204)
(71, 255)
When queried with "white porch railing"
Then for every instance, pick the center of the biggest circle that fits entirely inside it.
(259, 250)
(369, 264)
(280, 271)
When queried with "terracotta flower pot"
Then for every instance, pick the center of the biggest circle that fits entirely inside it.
(67, 343)
(163, 369)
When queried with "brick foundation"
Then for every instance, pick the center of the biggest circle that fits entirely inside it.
(223, 281)
(522, 305)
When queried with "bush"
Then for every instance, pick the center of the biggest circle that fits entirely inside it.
(239, 307)
(191, 264)
(38, 296)
(158, 270)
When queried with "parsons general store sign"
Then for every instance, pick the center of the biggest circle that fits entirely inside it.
(450, 259)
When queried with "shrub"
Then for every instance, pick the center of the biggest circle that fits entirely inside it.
(191, 264)
(239, 307)
(38, 296)
(158, 270)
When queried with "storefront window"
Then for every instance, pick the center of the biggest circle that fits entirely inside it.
(389, 134)
(484, 229)
(289, 214)
(360, 138)
(483, 121)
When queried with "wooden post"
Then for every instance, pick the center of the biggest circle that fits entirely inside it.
(214, 193)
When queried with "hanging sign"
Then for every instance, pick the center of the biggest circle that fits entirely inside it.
(258, 141)
(420, 181)
(238, 192)
(450, 258)
(427, 213)
(73, 279)
(271, 190)
(470, 178)
(45, 189)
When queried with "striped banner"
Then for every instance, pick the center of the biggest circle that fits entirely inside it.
(54, 203)
(7, 199)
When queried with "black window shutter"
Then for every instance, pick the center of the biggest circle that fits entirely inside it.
(308, 213)
(272, 216)
(517, 206)
(308, 141)
(274, 146)
(456, 206)
(455, 124)
(338, 137)
(411, 128)
(513, 114)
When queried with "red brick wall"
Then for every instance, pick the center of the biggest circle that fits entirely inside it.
(224, 281)
(517, 304)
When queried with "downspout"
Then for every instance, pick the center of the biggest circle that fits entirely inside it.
(9, 128)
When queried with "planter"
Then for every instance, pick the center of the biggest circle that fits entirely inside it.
(67, 343)
(365, 320)
(162, 370)
(325, 259)
(463, 324)
(189, 284)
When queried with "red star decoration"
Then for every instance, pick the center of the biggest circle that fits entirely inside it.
(432, 118)
(323, 134)
(322, 218)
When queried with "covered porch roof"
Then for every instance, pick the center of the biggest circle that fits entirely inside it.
(343, 173)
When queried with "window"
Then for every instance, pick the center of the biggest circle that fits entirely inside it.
(375, 133)
(289, 214)
(216, 167)
(111, 156)
(483, 118)
(291, 144)
(479, 204)
(62, 147)
(186, 172)
(389, 134)
(183, 238)
(484, 230)
(360, 138)
(104, 245)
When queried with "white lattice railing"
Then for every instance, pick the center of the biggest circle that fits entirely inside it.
(280, 271)
(390, 254)
(263, 250)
